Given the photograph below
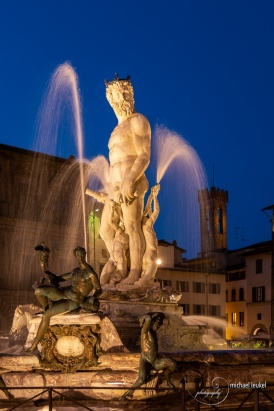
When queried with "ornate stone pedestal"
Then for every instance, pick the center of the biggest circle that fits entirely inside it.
(124, 309)
(74, 341)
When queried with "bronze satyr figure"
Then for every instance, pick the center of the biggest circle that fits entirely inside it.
(149, 359)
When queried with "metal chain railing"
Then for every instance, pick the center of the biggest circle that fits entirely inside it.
(56, 390)
(181, 395)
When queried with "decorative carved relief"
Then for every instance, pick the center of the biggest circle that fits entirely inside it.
(68, 348)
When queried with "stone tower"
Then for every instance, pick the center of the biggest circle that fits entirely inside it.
(213, 219)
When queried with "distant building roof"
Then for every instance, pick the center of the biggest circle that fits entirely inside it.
(33, 153)
(264, 247)
(235, 267)
(165, 243)
(257, 247)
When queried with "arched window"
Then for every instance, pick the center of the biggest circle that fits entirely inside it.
(233, 295)
(241, 294)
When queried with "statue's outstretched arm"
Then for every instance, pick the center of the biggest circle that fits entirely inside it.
(101, 197)
(141, 141)
(66, 276)
(43, 252)
(145, 321)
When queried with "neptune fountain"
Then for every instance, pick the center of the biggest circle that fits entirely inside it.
(90, 331)
(92, 324)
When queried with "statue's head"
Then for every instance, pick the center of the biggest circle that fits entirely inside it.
(79, 251)
(120, 95)
(157, 320)
(43, 248)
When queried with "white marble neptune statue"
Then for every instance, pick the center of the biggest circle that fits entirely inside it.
(129, 157)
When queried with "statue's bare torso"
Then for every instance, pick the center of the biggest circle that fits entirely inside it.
(128, 141)
(81, 285)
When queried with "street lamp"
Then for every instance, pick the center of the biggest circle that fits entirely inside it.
(271, 208)
(92, 215)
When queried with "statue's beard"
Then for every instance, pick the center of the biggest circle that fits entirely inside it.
(125, 108)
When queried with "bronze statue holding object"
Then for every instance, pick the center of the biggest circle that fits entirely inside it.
(84, 280)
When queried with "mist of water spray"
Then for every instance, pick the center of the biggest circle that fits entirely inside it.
(98, 171)
(212, 336)
(180, 171)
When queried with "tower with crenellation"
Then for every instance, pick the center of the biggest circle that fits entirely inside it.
(213, 219)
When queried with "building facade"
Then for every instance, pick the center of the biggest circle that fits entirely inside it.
(39, 202)
(201, 285)
(248, 293)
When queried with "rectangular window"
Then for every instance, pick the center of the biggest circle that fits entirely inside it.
(182, 286)
(258, 294)
(239, 275)
(241, 318)
(185, 309)
(214, 288)
(165, 283)
(198, 287)
(233, 319)
(214, 310)
(259, 316)
(198, 309)
(259, 266)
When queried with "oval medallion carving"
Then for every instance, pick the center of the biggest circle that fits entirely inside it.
(69, 346)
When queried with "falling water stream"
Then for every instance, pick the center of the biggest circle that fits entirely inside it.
(63, 90)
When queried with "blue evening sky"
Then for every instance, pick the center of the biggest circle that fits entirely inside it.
(204, 68)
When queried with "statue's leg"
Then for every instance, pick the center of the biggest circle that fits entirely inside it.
(144, 369)
(108, 269)
(168, 366)
(149, 274)
(107, 233)
(132, 219)
(46, 293)
(121, 263)
(60, 307)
